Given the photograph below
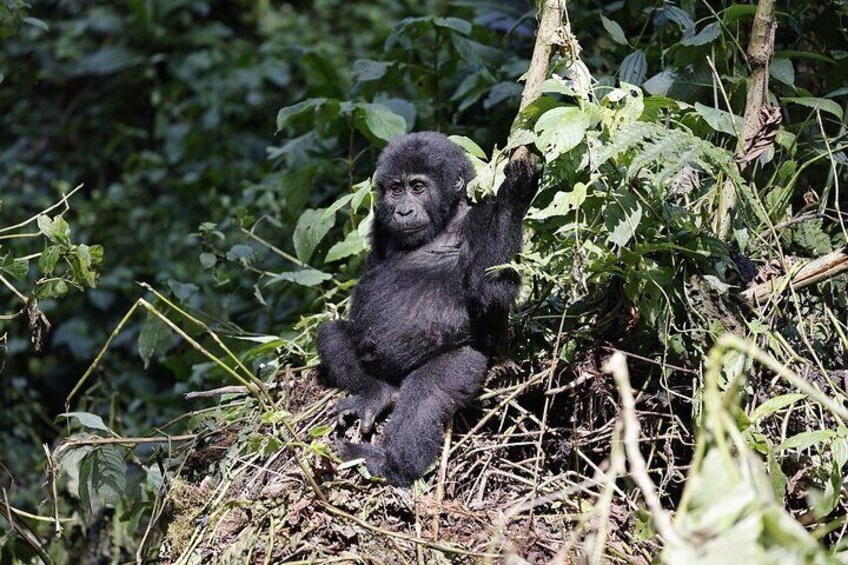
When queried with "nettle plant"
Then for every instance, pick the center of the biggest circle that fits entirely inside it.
(61, 265)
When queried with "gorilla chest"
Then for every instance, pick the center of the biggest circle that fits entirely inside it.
(414, 304)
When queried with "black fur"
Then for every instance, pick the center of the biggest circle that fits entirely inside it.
(425, 315)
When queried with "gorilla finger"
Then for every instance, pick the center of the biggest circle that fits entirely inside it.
(366, 422)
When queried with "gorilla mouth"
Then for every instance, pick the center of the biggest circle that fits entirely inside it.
(412, 229)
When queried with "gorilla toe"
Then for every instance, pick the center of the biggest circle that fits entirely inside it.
(366, 406)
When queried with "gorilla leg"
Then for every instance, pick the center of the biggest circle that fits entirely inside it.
(429, 397)
(370, 397)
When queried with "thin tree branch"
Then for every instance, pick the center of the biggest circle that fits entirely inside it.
(815, 271)
(760, 53)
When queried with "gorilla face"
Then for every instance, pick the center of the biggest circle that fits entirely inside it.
(420, 178)
(409, 209)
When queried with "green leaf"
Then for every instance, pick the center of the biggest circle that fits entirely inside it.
(561, 129)
(720, 120)
(304, 277)
(56, 230)
(614, 30)
(208, 260)
(241, 253)
(634, 68)
(475, 53)
(288, 115)
(735, 12)
(353, 244)
(320, 431)
(783, 71)
(469, 146)
(88, 420)
(805, 440)
(822, 104)
(562, 203)
(338, 205)
(56, 288)
(710, 33)
(456, 25)
(311, 228)
(378, 123)
(103, 476)
(365, 70)
(623, 217)
(16, 268)
(155, 336)
(774, 404)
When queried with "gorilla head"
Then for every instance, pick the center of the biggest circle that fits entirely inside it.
(420, 178)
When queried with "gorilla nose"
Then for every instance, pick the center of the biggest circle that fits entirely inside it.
(403, 213)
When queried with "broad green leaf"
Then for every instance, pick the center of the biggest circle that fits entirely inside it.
(634, 68)
(304, 277)
(54, 288)
(805, 440)
(289, 114)
(48, 259)
(56, 230)
(311, 228)
(361, 191)
(365, 70)
(17, 268)
(774, 404)
(241, 253)
(562, 203)
(614, 30)
(681, 18)
(469, 145)
(353, 244)
(475, 53)
(337, 205)
(88, 420)
(782, 70)
(822, 104)
(710, 33)
(378, 123)
(456, 25)
(735, 12)
(622, 217)
(720, 120)
(561, 129)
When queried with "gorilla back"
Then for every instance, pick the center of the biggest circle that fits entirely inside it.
(424, 312)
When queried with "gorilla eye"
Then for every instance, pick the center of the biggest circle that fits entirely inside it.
(418, 187)
(396, 189)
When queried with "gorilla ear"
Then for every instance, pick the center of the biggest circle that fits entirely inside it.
(460, 184)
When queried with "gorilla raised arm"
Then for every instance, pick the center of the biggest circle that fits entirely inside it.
(425, 315)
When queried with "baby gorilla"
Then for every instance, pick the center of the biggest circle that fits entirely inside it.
(425, 315)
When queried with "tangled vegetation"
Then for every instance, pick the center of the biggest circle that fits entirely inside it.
(675, 388)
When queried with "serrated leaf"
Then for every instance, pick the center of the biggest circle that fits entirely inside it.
(822, 104)
(17, 268)
(378, 123)
(304, 277)
(56, 230)
(311, 228)
(56, 288)
(634, 68)
(88, 420)
(353, 244)
(561, 129)
(476, 53)
(623, 216)
(614, 30)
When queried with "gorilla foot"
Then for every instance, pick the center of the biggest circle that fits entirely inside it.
(366, 406)
(375, 461)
